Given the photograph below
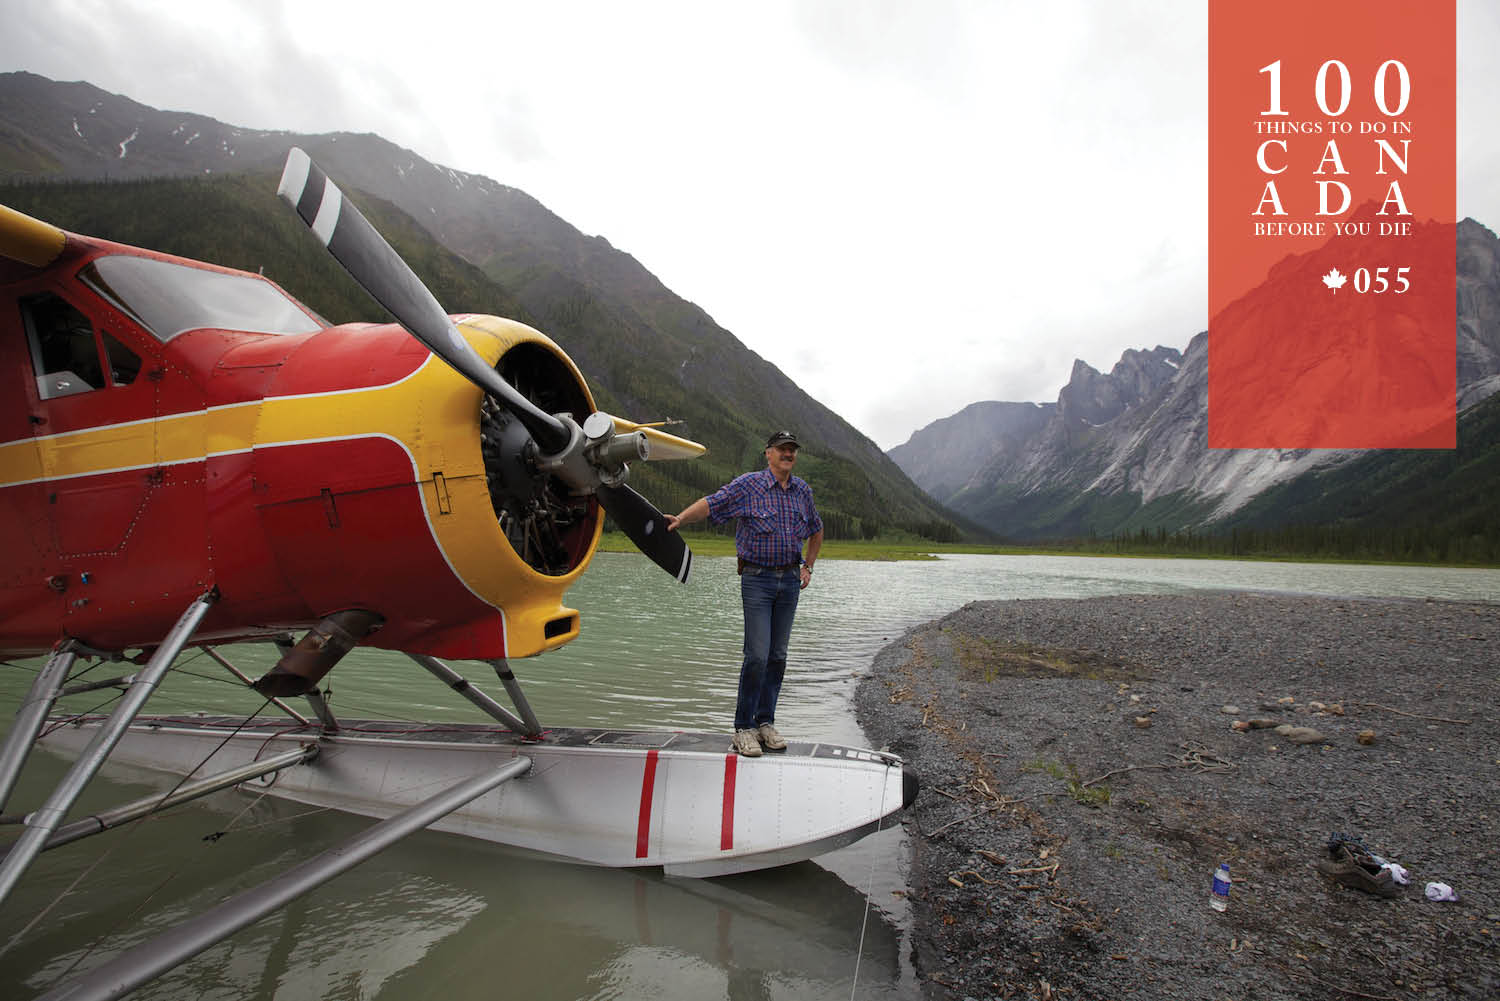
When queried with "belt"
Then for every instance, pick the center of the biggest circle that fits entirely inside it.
(745, 564)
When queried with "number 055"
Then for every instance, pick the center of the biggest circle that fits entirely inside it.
(1363, 281)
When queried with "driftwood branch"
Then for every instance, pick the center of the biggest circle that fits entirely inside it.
(1196, 757)
(1402, 712)
(960, 820)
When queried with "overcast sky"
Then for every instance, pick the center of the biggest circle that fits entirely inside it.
(907, 206)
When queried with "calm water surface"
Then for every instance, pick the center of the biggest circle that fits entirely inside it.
(442, 917)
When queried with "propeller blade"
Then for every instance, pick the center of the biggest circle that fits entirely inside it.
(647, 528)
(663, 445)
(369, 259)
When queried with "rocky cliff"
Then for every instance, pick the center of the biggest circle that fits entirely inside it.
(1128, 449)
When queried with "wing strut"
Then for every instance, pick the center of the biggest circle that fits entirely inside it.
(41, 824)
(131, 969)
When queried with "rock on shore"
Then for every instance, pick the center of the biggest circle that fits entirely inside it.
(1081, 780)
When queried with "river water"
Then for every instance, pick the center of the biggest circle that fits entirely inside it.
(442, 917)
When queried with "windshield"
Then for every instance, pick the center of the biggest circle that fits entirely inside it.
(169, 299)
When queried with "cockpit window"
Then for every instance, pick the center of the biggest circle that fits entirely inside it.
(124, 364)
(170, 299)
(64, 353)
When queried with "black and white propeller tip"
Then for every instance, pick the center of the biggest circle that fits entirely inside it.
(586, 463)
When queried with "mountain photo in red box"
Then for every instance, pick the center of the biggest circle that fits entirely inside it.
(1332, 261)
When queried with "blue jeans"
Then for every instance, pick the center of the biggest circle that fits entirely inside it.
(770, 602)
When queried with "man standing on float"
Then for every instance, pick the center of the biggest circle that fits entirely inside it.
(776, 515)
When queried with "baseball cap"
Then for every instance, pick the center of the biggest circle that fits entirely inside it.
(783, 438)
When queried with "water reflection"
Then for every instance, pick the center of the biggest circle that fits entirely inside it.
(439, 916)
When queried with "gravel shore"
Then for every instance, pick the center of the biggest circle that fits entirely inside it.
(1082, 778)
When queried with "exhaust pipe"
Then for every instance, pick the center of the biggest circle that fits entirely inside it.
(301, 668)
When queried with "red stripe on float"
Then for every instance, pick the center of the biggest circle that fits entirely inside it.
(643, 825)
(726, 830)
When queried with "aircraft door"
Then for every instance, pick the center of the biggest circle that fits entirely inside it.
(25, 538)
(91, 405)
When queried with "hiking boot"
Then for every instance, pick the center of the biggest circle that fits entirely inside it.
(1358, 870)
(772, 740)
(746, 743)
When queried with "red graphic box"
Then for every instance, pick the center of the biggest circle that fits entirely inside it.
(1331, 255)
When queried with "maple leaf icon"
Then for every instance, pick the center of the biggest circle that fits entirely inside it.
(1334, 280)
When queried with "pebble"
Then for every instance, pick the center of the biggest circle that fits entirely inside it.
(1366, 737)
(1230, 710)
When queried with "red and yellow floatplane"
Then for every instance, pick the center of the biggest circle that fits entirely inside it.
(189, 457)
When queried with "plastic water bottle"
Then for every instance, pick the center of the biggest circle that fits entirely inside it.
(1218, 898)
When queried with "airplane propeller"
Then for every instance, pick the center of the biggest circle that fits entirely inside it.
(589, 458)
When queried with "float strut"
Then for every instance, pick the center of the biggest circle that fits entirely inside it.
(130, 970)
(461, 685)
(41, 824)
(315, 698)
(29, 719)
(323, 712)
(513, 689)
(226, 665)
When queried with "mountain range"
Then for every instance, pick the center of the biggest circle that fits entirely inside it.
(1127, 450)
(484, 247)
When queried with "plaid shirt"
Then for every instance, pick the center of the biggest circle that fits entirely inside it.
(773, 520)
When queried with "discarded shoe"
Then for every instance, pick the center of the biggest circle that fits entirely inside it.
(1356, 868)
(747, 742)
(772, 740)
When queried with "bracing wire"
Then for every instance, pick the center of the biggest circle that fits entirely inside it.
(108, 852)
(170, 877)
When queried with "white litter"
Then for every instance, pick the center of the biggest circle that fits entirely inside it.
(1440, 891)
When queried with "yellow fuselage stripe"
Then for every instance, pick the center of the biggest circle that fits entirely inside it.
(238, 427)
